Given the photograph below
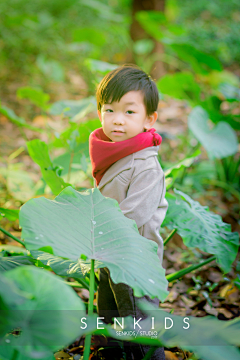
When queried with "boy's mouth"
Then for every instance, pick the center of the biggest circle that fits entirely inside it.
(116, 132)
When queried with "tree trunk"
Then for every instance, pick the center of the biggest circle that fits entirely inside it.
(138, 33)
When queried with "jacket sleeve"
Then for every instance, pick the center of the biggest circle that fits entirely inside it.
(145, 195)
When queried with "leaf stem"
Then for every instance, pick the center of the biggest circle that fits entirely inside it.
(169, 237)
(79, 283)
(87, 343)
(178, 274)
(11, 236)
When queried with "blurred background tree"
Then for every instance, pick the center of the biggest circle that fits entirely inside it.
(44, 41)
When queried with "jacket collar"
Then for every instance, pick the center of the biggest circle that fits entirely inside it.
(126, 163)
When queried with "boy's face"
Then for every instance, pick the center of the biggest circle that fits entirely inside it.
(127, 118)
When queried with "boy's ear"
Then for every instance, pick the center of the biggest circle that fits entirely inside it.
(151, 119)
(99, 115)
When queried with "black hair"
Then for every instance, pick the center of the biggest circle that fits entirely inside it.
(124, 79)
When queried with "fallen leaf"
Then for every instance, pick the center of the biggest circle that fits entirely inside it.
(172, 295)
(60, 355)
(227, 290)
(170, 355)
(188, 302)
(193, 292)
(225, 312)
(210, 310)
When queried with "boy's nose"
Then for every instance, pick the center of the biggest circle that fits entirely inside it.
(118, 119)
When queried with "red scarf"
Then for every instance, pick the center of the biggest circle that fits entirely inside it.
(104, 153)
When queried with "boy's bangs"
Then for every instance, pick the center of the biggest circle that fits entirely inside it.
(124, 79)
(115, 90)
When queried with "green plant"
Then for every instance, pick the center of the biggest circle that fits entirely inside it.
(97, 233)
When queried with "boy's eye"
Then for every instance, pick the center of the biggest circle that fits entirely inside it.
(130, 112)
(109, 110)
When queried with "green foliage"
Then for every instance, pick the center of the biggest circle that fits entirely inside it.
(56, 313)
(19, 183)
(74, 109)
(181, 86)
(90, 35)
(59, 265)
(11, 215)
(144, 46)
(36, 96)
(10, 262)
(200, 62)
(212, 27)
(220, 142)
(97, 66)
(31, 289)
(173, 172)
(230, 92)
(103, 235)
(202, 229)
(37, 34)
(52, 69)
(19, 121)
(38, 150)
(151, 22)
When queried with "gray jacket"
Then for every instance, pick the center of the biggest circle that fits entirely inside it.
(137, 182)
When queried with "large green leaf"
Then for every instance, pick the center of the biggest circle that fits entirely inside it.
(36, 96)
(20, 183)
(10, 114)
(230, 92)
(60, 266)
(174, 170)
(212, 105)
(88, 223)
(199, 61)
(10, 296)
(51, 69)
(180, 86)
(76, 134)
(99, 66)
(10, 262)
(38, 150)
(220, 142)
(200, 228)
(75, 109)
(10, 214)
(50, 318)
(7, 352)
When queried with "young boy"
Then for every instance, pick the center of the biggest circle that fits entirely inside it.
(125, 166)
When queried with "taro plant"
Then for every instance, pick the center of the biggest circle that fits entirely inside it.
(36, 321)
(91, 231)
(29, 306)
(79, 232)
